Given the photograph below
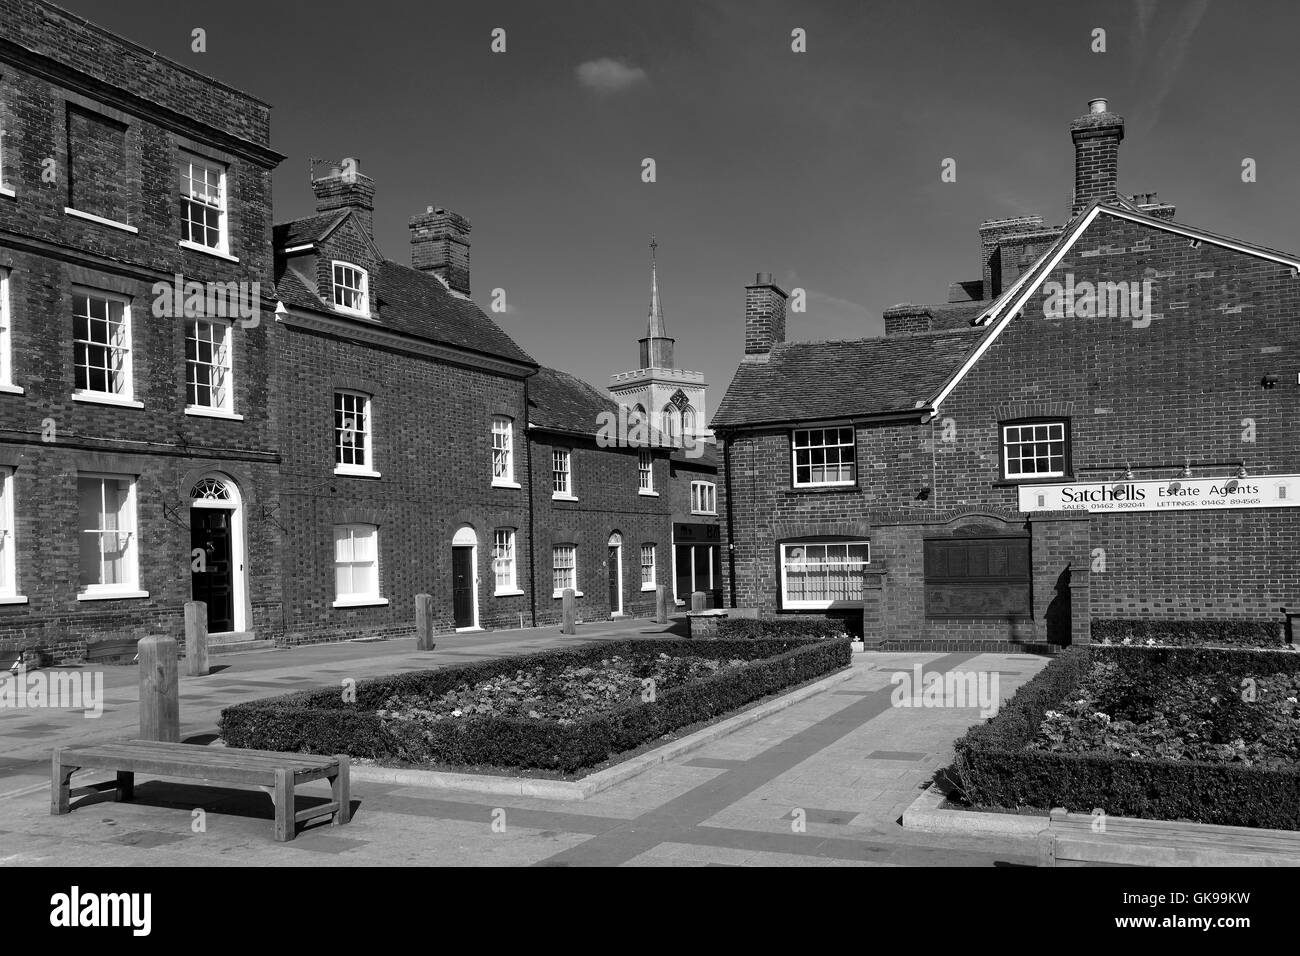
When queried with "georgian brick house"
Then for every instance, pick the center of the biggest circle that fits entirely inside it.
(131, 432)
(1101, 427)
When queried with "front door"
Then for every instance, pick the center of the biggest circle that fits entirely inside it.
(615, 598)
(462, 586)
(214, 583)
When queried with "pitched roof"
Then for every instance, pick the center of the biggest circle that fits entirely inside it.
(811, 381)
(564, 402)
(308, 229)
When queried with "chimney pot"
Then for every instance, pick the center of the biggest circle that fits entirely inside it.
(763, 278)
(1097, 106)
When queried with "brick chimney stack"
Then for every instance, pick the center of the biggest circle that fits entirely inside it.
(1097, 135)
(440, 245)
(764, 317)
(353, 191)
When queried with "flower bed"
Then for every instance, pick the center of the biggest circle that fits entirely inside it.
(560, 710)
(1201, 734)
(1173, 633)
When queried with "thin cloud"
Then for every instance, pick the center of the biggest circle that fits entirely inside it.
(1167, 64)
(607, 76)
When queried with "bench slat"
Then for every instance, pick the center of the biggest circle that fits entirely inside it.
(238, 751)
(159, 748)
(1147, 854)
(199, 756)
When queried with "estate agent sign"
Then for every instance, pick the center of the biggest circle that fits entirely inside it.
(1168, 494)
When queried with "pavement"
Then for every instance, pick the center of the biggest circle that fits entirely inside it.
(822, 783)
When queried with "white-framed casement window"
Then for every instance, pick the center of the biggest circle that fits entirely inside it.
(351, 289)
(564, 568)
(353, 438)
(8, 547)
(1034, 449)
(6, 343)
(101, 336)
(503, 562)
(106, 513)
(645, 472)
(822, 574)
(503, 452)
(648, 567)
(704, 498)
(203, 204)
(356, 565)
(823, 456)
(562, 473)
(209, 382)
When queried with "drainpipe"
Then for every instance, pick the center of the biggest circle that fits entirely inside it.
(731, 554)
(532, 542)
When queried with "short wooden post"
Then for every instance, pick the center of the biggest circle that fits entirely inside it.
(424, 622)
(160, 703)
(661, 604)
(196, 638)
(570, 611)
(1046, 848)
(698, 600)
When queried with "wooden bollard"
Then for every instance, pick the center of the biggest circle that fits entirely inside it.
(698, 600)
(196, 638)
(424, 622)
(569, 607)
(661, 604)
(160, 702)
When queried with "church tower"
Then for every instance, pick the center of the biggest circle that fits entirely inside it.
(673, 399)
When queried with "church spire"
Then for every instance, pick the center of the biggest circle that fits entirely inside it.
(656, 347)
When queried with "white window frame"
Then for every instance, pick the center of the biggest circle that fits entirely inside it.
(188, 195)
(505, 569)
(125, 394)
(572, 569)
(130, 586)
(363, 438)
(223, 361)
(1019, 442)
(645, 470)
(5, 188)
(825, 447)
(652, 566)
(804, 604)
(562, 474)
(362, 291)
(503, 452)
(356, 598)
(8, 542)
(704, 493)
(6, 337)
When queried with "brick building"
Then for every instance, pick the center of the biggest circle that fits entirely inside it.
(1102, 427)
(137, 459)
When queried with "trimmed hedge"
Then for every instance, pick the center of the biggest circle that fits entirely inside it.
(789, 628)
(321, 722)
(1187, 633)
(995, 768)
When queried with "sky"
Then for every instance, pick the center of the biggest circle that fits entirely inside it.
(821, 167)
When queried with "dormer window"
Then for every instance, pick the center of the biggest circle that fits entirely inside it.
(351, 289)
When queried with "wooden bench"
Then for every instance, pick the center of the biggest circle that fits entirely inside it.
(276, 773)
(1069, 840)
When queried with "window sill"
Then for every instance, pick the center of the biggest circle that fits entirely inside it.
(14, 599)
(649, 587)
(706, 514)
(1044, 480)
(506, 484)
(361, 602)
(559, 497)
(356, 472)
(91, 398)
(12, 390)
(206, 250)
(467, 630)
(110, 595)
(560, 594)
(111, 223)
(6, 191)
(354, 313)
(200, 412)
(648, 494)
(513, 592)
(823, 489)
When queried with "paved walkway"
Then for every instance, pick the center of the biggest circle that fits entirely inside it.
(822, 783)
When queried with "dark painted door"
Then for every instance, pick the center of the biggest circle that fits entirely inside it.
(214, 585)
(614, 603)
(462, 586)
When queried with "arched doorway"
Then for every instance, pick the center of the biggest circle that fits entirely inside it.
(217, 559)
(615, 568)
(464, 578)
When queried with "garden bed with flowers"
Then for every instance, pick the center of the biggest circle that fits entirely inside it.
(557, 712)
(1210, 735)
